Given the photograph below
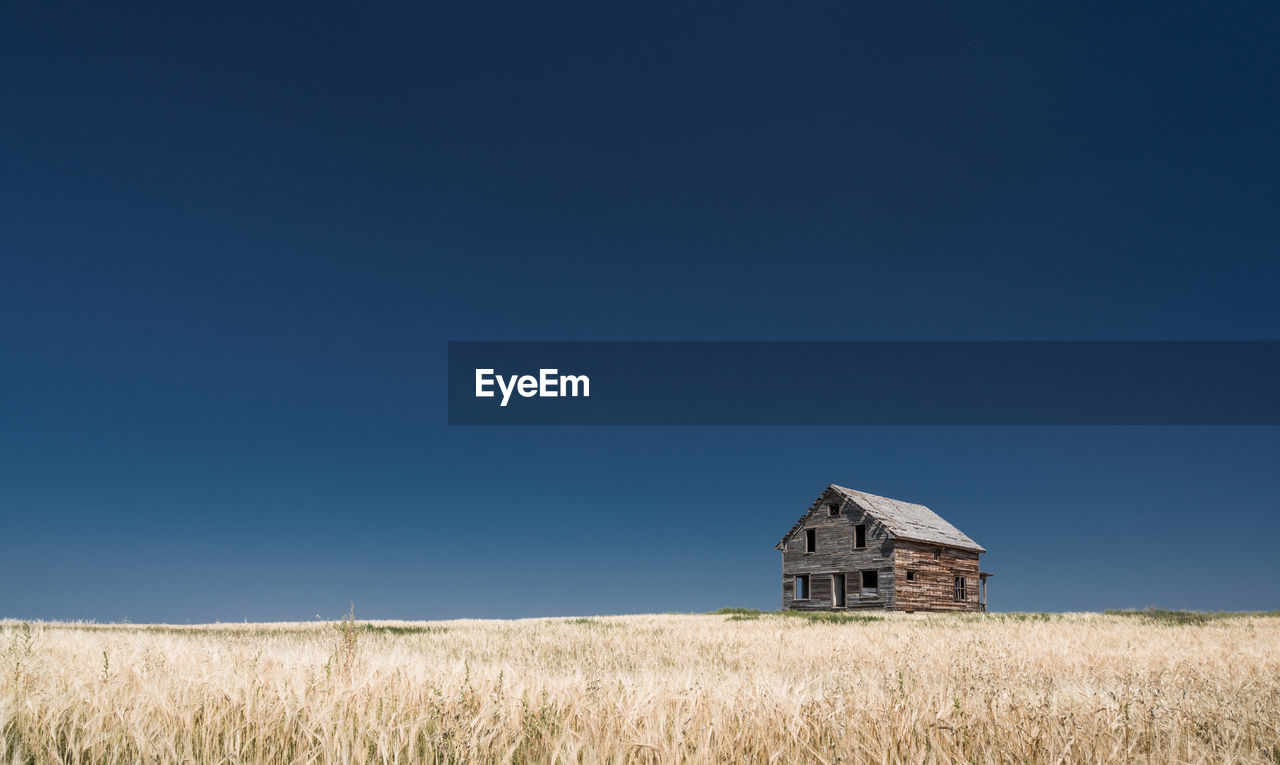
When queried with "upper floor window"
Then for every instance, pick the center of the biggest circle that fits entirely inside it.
(860, 535)
(833, 509)
(810, 540)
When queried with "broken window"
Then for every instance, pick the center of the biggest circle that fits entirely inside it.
(802, 587)
(833, 509)
(937, 553)
(960, 588)
(810, 540)
(870, 582)
(911, 576)
(860, 535)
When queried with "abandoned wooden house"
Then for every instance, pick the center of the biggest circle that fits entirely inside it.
(854, 550)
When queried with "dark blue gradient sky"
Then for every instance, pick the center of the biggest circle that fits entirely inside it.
(234, 242)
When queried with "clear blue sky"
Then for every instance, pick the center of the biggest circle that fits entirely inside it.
(234, 243)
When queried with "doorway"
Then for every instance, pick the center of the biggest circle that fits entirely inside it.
(837, 590)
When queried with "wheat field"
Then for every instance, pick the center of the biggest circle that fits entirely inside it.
(742, 687)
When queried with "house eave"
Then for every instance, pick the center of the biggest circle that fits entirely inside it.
(977, 548)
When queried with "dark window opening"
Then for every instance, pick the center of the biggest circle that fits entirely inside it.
(937, 554)
(837, 590)
(870, 582)
(833, 509)
(802, 587)
(960, 588)
(810, 540)
(860, 535)
(911, 576)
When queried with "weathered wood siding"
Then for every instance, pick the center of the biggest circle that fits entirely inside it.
(836, 554)
(934, 585)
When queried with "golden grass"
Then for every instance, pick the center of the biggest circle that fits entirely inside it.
(711, 688)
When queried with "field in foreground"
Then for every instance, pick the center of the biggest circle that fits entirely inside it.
(706, 688)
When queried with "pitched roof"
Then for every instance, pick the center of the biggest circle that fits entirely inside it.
(903, 520)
